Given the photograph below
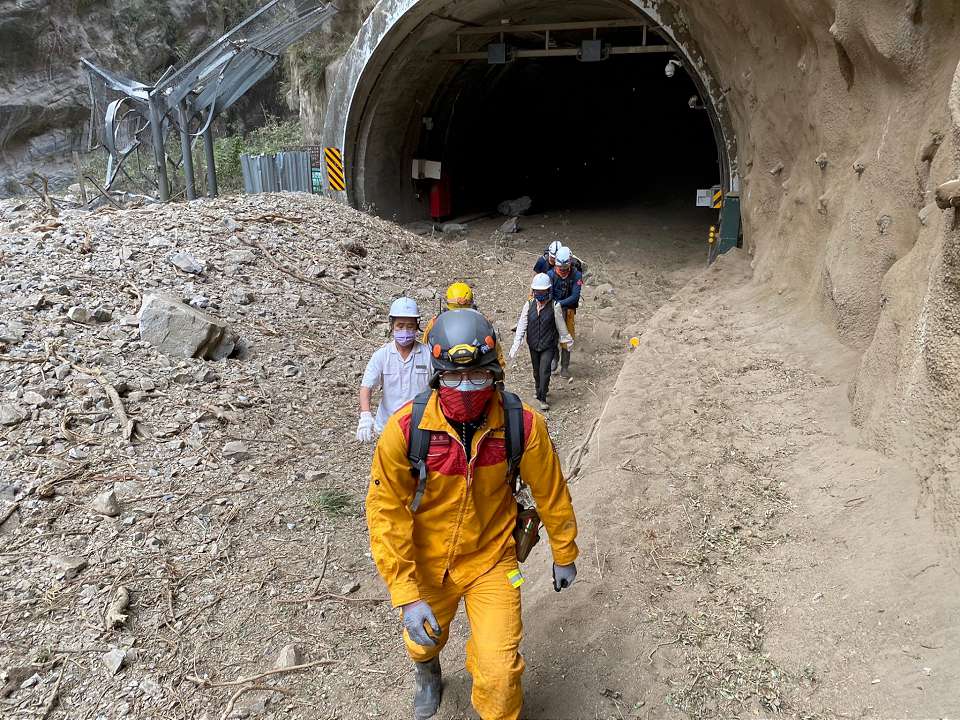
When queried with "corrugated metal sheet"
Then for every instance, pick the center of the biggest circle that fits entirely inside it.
(286, 171)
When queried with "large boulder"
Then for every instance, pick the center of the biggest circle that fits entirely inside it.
(175, 328)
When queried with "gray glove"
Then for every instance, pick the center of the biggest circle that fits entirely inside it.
(417, 613)
(563, 576)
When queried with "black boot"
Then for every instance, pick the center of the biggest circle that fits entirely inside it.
(564, 363)
(426, 689)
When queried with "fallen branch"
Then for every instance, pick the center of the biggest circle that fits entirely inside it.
(331, 596)
(576, 455)
(51, 704)
(344, 292)
(8, 512)
(205, 682)
(16, 359)
(323, 567)
(236, 696)
(127, 425)
(672, 642)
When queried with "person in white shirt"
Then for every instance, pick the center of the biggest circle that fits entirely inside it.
(401, 368)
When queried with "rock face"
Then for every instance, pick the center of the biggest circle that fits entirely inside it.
(177, 329)
(44, 100)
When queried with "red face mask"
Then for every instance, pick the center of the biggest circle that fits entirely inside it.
(563, 271)
(464, 406)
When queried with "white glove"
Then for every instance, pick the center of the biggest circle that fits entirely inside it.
(365, 428)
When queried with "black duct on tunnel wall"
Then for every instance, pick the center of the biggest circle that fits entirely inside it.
(569, 133)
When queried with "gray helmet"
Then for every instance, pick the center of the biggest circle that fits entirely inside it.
(463, 340)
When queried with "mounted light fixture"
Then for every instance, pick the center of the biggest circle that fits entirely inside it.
(671, 68)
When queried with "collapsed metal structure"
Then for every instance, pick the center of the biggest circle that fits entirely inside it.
(189, 99)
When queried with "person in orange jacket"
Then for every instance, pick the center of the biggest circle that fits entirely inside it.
(450, 536)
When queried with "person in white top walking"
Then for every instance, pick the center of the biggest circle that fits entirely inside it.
(401, 368)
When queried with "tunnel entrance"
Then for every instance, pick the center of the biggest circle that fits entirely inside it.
(480, 101)
(569, 133)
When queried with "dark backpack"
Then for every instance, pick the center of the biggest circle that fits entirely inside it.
(419, 445)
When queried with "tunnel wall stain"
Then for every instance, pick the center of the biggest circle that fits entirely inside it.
(834, 114)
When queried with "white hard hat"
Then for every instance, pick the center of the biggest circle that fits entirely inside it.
(541, 281)
(563, 256)
(553, 247)
(404, 308)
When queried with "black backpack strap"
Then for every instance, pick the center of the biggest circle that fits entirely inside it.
(513, 436)
(418, 447)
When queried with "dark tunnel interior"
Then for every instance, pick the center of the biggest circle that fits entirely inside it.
(571, 134)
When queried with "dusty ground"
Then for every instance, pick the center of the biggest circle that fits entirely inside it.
(741, 554)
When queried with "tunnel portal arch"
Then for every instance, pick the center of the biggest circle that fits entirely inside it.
(391, 74)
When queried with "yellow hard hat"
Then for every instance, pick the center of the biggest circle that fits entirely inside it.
(459, 295)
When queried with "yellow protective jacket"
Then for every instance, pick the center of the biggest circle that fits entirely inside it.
(467, 515)
(499, 347)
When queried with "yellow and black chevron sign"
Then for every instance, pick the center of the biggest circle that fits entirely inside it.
(335, 176)
(718, 199)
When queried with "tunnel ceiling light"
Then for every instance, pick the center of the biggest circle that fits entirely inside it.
(671, 69)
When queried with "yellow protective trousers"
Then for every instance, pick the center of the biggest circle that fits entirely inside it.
(570, 318)
(493, 650)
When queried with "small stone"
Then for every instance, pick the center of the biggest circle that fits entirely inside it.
(241, 256)
(859, 167)
(78, 453)
(113, 660)
(106, 504)
(62, 371)
(236, 450)
(511, 226)
(200, 301)
(68, 566)
(30, 681)
(426, 293)
(290, 655)
(315, 475)
(454, 228)
(205, 375)
(37, 301)
(102, 314)
(186, 262)
(349, 588)
(35, 399)
(822, 161)
(79, 314)
(11, 415)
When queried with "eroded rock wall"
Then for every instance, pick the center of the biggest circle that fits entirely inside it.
(847, 117)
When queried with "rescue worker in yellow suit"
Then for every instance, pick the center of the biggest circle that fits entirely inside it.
(460, 297)
(452, 538)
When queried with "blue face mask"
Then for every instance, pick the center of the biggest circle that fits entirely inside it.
(404, 338)
(541, 296)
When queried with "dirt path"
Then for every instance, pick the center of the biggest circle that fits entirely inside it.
(743, 556)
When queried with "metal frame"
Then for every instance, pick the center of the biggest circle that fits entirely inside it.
(543, 30)
(201, 90)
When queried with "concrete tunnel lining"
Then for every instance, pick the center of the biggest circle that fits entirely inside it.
(389, 77)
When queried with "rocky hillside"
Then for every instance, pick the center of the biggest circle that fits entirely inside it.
(44, 98)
